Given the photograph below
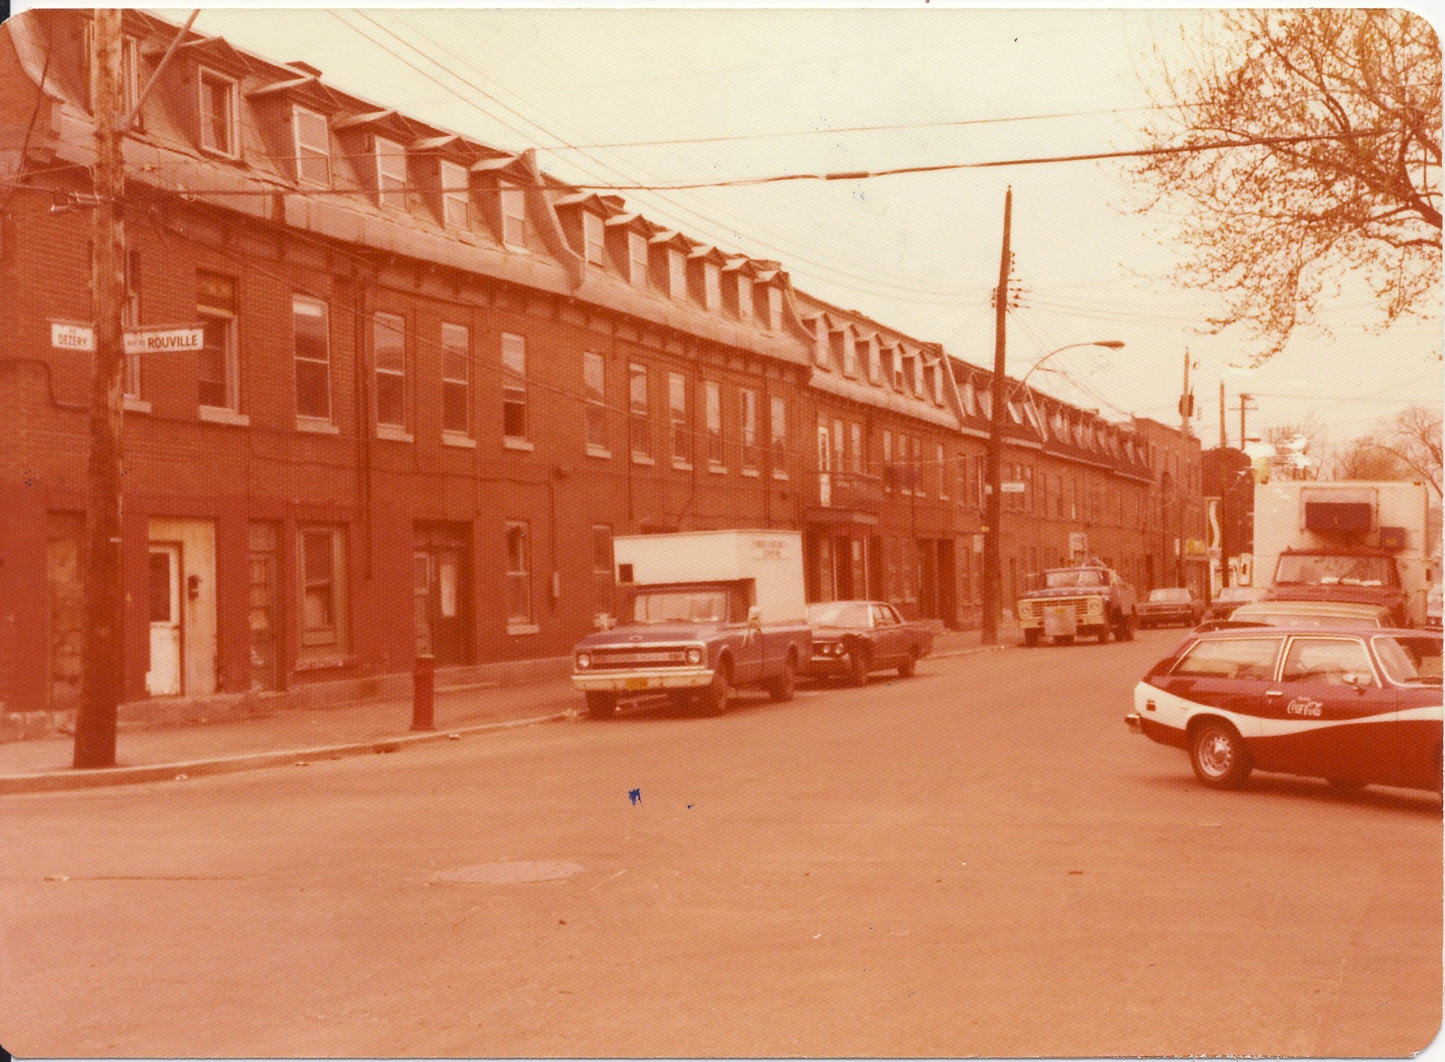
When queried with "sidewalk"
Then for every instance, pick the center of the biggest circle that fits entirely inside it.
(151, 752)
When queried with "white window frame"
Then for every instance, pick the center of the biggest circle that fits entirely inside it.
(639, 422)
(748, 429)
(676, 274)
(594, 385)
(389, 158)
(637, 259)
(218, 100)
(324, 633)
(594, 238)
(745, 297)
(518, 558)
(456, 375)
(712, 426)
(311, 155)
(456, 195)
(514, 216)
(711, 286)
(305, 306)
(514, 387)
(218, 323)
(679, 422)
(388, 347)
(778, 435)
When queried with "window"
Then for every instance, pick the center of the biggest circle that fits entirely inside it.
(676, 274)
(748, 427)
(594, 384)
(129, 75)
(775, 308)
(850, 353)
(745, 297)
(778, 435)
(313, 147)
(390, 158)
(1243, 658)
(322, 564)
(638, 426)
(313, 357)
(678, 421)
(594, 239)
(456, 196)
(456, 379)
(601, 569)
(388, 344)
(855, 447)
(870, 361)
(514, 216)
(917, 375)
(1332, 661)
(217, 370)
(943, 474)
(218, 113)
(514, 386)
(519, 575)
(637, 259)
(711, 285)
(712, 398)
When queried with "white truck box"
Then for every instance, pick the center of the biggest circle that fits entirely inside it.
(771, 560)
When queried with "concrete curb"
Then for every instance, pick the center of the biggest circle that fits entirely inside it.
(55, 781)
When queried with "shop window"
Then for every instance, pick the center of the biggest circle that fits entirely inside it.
(321, 562)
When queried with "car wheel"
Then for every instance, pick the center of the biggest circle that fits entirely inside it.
(1126, 629)
(781, 688)
(601, 704)
(1031, 636)
(909, 665)
(715, 698)
(1104, 631)
(1218, 755)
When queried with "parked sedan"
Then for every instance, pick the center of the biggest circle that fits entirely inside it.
(853, 638)
(1354, 706)
(1230, 598)
(1169, 606)
(1306, 614)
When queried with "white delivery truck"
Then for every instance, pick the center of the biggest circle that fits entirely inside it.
(1345, 540)
(702, 613)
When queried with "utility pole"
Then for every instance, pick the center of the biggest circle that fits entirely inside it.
(1223, 488)
(992, 577)
(104, 652)
(1244, 401)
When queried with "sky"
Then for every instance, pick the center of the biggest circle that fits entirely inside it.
(619, 98)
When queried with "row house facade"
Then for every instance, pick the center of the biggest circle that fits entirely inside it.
(435, 383)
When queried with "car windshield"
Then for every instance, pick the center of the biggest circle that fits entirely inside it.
(1330, 570)
(1410, 659)
(680, 606)
(1174, 595)
(1068, 577)
(838, 614)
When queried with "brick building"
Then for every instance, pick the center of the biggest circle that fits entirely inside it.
(435, 382)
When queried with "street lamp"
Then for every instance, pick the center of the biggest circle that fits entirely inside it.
(992, 579)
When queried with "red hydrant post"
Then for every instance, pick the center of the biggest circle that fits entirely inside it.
(423, 690)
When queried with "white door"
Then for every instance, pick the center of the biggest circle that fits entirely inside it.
(164, 677)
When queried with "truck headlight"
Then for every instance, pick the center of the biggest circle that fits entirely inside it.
(584, 661)
(694, 656)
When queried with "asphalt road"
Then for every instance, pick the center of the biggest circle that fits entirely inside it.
(980, 860)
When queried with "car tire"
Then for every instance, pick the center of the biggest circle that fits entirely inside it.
(782, 687)
(909, 665)
(715, 698)
(1031, 636)
(1125, 631)
(1218, 755)
(1104, 631)
(601, 704)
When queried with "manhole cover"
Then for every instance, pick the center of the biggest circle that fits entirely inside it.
(510, 873)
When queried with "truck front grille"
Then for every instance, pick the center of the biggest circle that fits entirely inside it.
(1084, 607)
(650, 656)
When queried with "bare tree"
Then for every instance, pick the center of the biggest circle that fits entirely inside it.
(1308, 141)
(1408, 448)
(1365, 458)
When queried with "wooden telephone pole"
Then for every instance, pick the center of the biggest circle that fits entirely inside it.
(992, 576)
(104, 652)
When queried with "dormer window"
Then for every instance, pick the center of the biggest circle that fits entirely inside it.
(514, 216)
(676, 274)
(917, 376)
(313, 147)
(711, 285)
(775, 308)
(896, 369)
(849, 344)
(870, 360)
(637, 259)
(820, 342)
(935, 382)
(745, 297)
(456, 196)
(594, 238)
(390, 158)
(218, 97)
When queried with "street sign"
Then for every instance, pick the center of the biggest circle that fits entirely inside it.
(1011, 488)
(81, 337)
(72, 337)
(164, 340)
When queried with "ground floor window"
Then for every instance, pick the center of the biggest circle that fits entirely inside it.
(519, 576)
(321, 560)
